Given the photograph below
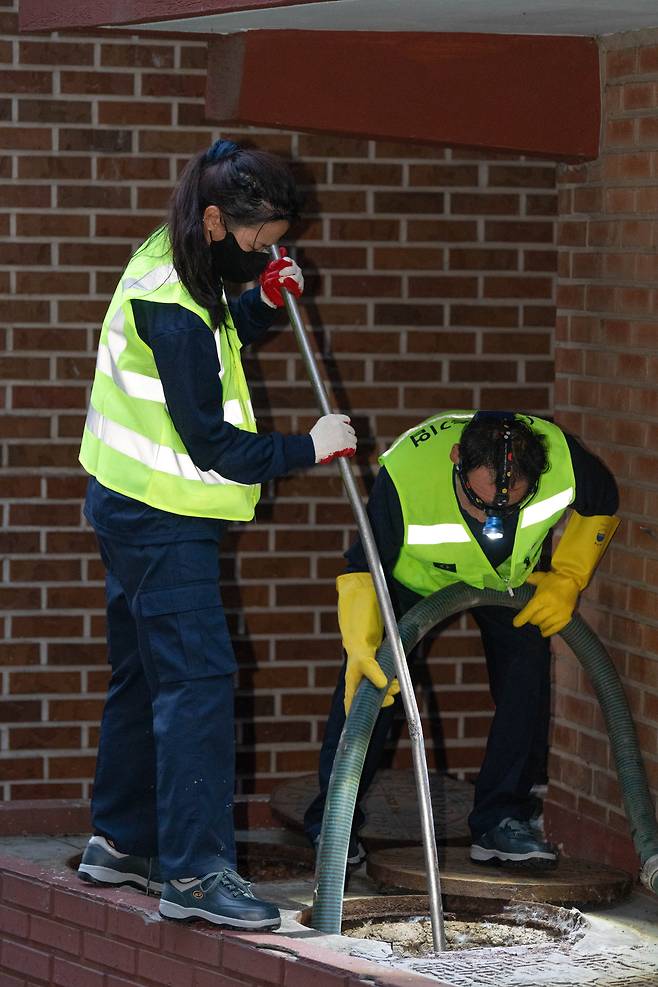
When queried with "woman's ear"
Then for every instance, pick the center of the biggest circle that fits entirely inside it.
(454, 454)
(213, 226)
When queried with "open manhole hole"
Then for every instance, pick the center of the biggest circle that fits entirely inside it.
(403, 922)
(260, 862)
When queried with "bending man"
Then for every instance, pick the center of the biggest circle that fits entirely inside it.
(470, 497)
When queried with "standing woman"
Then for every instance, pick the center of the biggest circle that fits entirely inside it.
(171, 447)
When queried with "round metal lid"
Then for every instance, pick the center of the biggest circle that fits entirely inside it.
(390, 807)
(571, 882)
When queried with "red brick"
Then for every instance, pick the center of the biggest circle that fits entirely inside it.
(638, 95)
(529, 176)
(42, 738)
(29, 81)
(443, 175)
(32, 962)
(53, 168)
(53, 111)
(79, 910)
(109, 952)
(9, 981)
(67, 974)
(409, 202)
(620, 133)
(135, 927)
(56, 934)
(26, 893)
(257, 965)
(366, 173)
(119, 55)
(524, 231)
(441, 230)
(173, 84)
(620, 62)
(13, 922)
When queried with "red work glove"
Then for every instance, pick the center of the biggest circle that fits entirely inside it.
(282, 273)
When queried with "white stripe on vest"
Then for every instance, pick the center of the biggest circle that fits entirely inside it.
(435, 534)
(156, 457)
(159, 276)
(142, 386)
(536, 513)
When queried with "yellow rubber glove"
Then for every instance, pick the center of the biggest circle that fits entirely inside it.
(362, 630)
(584, 541)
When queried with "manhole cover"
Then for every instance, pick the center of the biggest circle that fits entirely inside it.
(572, 881)
(390, 807)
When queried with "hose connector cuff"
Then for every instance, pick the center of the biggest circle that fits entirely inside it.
(649, 873)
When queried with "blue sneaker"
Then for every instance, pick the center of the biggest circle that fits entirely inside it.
(514, 841)
(102, 863)
(223, 899)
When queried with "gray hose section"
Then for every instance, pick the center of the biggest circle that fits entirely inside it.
(353, 745)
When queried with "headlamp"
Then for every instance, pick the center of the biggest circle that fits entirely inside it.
(493, 527)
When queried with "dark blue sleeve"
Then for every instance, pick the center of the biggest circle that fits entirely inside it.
(385, 515)
(596, 488)
(186, 357)
(251, 316)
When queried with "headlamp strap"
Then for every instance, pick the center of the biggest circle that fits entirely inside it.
(504, 471)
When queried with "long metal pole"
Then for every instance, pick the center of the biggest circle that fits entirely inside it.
(401, 666)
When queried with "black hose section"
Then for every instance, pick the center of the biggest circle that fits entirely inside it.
(353, 745)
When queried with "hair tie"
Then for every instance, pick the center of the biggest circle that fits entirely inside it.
(220, 149)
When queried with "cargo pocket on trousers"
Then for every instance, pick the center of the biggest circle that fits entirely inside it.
(187, 632)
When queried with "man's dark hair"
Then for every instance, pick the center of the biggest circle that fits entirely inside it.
(482, 444)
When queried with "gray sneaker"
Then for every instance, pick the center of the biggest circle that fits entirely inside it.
(223, 899)
(102, 863)
(514, 841)
(356, 852)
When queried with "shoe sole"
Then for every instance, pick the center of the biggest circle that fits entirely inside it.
(93, 874)
(169, 909)
(482, 855)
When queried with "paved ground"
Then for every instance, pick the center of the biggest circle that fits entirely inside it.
(618, 947)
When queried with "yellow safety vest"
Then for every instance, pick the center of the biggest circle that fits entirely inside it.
(439, 547)
(129, 443)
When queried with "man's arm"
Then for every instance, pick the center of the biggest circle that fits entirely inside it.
(359, 616)
(586, 537)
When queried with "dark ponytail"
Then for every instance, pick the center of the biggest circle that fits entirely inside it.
(250, 187)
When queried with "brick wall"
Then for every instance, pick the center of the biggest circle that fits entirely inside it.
(430, 277)
(607, 367)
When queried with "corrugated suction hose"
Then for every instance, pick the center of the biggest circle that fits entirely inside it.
(348, 765)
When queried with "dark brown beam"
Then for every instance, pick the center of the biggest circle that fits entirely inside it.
(519, 93)
(57, 15)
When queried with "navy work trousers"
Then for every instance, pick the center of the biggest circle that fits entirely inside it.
(165, 771)
(518, 663)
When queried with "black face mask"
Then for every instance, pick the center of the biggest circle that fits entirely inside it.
(231, 263)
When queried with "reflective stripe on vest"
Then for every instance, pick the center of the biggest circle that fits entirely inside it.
(439, 547)
(138, 447)
(129, 442)
(435, 534)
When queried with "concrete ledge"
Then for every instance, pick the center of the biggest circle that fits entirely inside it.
(55, 930)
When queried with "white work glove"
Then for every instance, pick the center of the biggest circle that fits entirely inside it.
(281, 273)
(333, 436)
